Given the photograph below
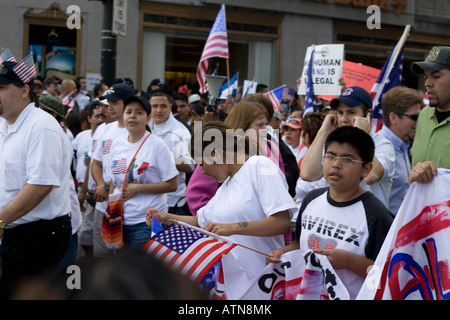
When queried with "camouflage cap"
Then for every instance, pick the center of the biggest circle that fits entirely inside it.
(52, 103)
(438, 58)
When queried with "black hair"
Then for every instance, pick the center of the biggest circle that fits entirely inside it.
(357, 138)
(31, 94)
(95, 104)
(229, 141)
(181, 96)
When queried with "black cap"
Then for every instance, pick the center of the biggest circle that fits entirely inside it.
(7, 74)
(438, 58)
(117, 92)
(352, 97)
(139, 99)
(157, 82)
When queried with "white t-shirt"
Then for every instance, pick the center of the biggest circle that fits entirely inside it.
(258, 190)
(177, 137)
(95, 141)
(82, 144)
(358, 226)
(153, 163)
(111, 132)
(33, 150)
(299, 151)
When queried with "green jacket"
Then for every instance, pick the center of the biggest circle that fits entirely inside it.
(432, 139)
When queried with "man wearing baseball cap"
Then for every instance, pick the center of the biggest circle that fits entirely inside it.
(431, 147)
(353, 108)
(35, 206)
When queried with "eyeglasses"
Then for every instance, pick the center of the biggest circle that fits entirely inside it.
(328, 157)
(413, 117)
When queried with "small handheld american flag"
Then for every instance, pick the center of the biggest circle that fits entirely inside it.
(7, 56)
(187, 250)
(25, 69)
(275, 96)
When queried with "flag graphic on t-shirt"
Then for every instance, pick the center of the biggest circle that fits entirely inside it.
(106, 146)
(119, 166)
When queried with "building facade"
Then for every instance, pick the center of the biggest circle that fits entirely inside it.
(267, 39)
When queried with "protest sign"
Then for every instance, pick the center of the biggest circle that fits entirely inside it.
(356, 74)
(327, 70)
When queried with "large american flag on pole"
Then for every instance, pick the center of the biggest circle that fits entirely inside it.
(275, 96)
(25, 69)
(390, 77)
(188, 251)
(216, 46)
(310, 99)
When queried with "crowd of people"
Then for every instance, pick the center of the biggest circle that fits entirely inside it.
(273, 180)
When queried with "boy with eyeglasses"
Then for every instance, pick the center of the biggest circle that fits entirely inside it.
(343, 221)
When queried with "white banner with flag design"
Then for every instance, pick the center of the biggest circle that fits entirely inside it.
(413, 262)
(301, 275)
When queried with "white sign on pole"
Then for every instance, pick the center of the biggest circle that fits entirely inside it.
(119, 21)
(92, 78)
(327, 70)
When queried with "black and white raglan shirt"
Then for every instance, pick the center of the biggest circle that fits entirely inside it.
(358, 226)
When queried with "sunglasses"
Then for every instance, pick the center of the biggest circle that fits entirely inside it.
(413, 117)
(294, 121)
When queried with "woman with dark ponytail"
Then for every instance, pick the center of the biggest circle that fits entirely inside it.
(252, 206)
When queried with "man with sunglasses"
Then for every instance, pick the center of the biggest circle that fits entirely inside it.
(401, 108)
(431, 147)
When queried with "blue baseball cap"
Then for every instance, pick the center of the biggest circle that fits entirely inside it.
(117, 92)
(352, 97)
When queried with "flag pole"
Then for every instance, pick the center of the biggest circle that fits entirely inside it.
(187, 225)
(228, 75)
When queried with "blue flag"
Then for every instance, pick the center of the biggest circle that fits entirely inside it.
(233, 84)
(156, 226)
(310, 99)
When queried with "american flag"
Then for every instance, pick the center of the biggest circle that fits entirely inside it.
(119, 166)
(310, 100)
(69, 102)
(216, 46)
(390, 77)
(7, 56)
(187, 250)
(106, 146)
(275, 96)
(25, 69)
